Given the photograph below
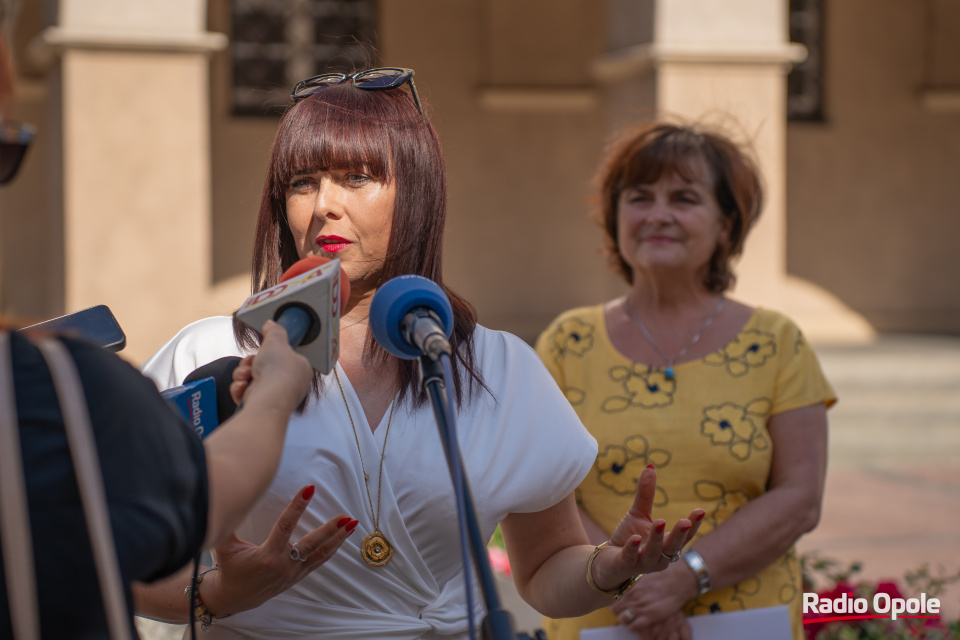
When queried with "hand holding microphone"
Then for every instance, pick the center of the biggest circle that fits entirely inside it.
(307, 304)
(212, 394)
(276, 373)
(410, 316)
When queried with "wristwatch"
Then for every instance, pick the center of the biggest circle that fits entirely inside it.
(695, 561)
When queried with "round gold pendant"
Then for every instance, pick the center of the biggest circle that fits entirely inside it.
(376, 550)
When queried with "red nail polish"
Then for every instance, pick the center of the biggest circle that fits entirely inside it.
(661, 527)
(650, 466)
(308, 492)
(686, 528)
(700, 517)
(637, 543)
(351, 527)
(343, 521)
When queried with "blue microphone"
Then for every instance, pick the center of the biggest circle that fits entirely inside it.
(410, 316)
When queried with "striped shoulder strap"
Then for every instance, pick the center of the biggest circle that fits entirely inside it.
(18, 566)
(86, 463)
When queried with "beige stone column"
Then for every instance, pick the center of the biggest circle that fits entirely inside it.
(724, 63)
(133, 87)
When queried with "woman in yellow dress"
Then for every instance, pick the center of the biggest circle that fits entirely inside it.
(727, 401)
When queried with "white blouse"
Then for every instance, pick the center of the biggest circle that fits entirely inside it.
(524, 450)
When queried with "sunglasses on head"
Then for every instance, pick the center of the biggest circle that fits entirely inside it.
(369, 80)
(15, 137)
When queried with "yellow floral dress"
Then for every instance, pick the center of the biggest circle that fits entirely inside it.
(705, 430)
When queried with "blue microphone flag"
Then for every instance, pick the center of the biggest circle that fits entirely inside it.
(197, 402)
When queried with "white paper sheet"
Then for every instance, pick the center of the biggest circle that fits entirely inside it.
(770, 623)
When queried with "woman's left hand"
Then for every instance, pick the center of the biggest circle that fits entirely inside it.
(639, 539)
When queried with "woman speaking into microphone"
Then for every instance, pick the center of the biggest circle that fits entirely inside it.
(357, 173)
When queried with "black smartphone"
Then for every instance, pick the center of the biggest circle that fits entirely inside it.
(96, 324)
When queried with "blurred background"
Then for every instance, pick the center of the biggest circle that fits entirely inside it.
(155, 118)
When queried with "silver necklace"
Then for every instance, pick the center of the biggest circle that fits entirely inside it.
(668, 372)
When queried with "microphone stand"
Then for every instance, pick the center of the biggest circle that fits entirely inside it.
(498, 624)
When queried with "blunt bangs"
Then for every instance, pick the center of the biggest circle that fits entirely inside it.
(383, 134)
(336, 129)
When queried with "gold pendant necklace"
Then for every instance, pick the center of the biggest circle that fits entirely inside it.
(375, 549)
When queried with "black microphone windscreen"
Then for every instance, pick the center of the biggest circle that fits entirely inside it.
(222, 372)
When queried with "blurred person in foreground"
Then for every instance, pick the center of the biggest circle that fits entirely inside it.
(357, 173)
(726, 400)
(168, 495)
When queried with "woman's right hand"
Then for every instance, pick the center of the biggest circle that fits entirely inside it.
(249, 574)
(242, 377)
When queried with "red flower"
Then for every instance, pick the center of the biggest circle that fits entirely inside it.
(499, 560)
(890, 588)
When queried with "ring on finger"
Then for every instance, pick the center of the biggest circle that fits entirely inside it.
(629, 615)
(672, 558)
(295, 553)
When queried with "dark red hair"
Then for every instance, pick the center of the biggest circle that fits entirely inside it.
(342, 127)
(644, 155)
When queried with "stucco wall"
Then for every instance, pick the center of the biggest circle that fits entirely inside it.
(240, 151)
(870, 192)
(31, 220)
(522, 139)
(873, 192)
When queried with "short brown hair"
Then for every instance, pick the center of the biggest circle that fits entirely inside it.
(642, 156)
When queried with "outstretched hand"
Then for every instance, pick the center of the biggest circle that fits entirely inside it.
(639, 540)
(249, 574)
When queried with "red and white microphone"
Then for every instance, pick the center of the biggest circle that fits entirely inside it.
(307, 302)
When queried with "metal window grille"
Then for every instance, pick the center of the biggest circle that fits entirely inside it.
(805, 81)
(277, 43)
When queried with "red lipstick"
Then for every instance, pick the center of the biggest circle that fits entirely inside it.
(332, 244)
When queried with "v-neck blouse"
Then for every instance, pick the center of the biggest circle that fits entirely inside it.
(524, 450)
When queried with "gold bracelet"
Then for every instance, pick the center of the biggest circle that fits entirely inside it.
(618, 591)
(200, 611)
